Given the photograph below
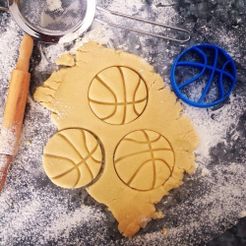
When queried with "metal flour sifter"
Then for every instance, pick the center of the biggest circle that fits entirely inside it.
(65, 20)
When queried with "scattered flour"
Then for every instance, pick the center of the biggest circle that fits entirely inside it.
(54, 5)
(212, 126)
(81, 216)
(34, 211)
(10, 40)
(7, 141)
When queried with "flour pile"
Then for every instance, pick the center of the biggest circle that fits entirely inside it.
(54, 5)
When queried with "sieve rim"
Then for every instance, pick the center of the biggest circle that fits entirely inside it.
(46, 36)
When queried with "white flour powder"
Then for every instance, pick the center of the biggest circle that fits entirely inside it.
(54, 5)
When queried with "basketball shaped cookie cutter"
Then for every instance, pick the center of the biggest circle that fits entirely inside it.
(68, 19)
(216, 76)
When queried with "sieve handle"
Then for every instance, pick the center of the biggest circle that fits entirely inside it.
(3, 4)
(153, 23)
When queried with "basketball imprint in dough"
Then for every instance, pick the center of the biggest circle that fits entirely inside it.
(73, 158)
(118, 95)
(144, 160)
(143, 144)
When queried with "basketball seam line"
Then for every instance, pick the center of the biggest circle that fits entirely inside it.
(86, 147)
(124, 95)
(71, 144)
(142, 142)
(142, 165)
(118, 103)
(140, 152)
(152, 157)
(75, 165)
(86, 164)
(134, 97)
(68, 171)
(114, 95)
(137, 171)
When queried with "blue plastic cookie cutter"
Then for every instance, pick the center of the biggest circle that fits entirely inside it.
(223, 76)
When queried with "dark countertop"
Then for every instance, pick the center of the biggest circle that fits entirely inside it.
(236, 236)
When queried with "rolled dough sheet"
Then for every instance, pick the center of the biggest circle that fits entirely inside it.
(144, 143)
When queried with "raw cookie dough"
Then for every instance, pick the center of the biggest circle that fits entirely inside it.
(146, 144)
(66, 60)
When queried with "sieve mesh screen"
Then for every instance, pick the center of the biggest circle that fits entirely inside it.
(53, 16)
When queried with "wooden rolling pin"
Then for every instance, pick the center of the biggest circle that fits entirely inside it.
(15, 108)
